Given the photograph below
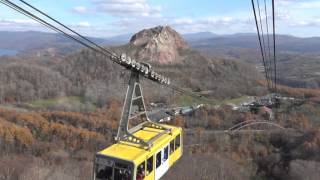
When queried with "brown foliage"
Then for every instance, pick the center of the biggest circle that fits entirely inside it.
(178, 121)
(12, 134)
(296, 92)
(36, 126)
(206, 167)
(313, 143)
(299, 121)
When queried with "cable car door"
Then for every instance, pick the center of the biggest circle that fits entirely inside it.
(162, 162)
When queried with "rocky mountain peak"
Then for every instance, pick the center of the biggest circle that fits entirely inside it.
(160, 44)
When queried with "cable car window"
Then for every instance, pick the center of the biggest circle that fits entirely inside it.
(103, 172)
(158, 159)
(122, 172)
(149, 165)
(171, 146)
(141, 171)
(177, 141)
(166, 153)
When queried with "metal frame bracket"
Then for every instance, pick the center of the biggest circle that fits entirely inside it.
(134, 107)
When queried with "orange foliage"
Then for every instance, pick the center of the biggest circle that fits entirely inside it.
(100, 120)
(13, 133)
(62, 126)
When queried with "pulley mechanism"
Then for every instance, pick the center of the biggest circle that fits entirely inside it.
(140, 68)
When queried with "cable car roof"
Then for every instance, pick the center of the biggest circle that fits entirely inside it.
(131, 152)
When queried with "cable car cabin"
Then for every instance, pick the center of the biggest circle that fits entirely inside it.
(127, 161)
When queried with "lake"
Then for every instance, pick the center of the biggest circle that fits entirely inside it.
(7, 52)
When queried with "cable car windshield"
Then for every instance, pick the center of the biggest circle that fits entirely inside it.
(107, 169)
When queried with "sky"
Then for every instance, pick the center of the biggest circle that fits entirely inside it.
(107, 18)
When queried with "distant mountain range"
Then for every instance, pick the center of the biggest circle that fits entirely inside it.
(85, 73)
(199, 36)
(285, 43)
(298, 58)
(30, 40)
(24, 41)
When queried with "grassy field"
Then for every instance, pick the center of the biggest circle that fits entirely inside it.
(12, 107)
(188, 100)
(45, 103)
(238, 100)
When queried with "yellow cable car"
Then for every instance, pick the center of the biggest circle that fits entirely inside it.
(144, 152)
(128, 161)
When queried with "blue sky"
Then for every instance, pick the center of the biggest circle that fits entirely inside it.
(105, 18)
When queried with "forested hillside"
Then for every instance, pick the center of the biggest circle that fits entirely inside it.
(50, 48)
(22, 82)
(90, 75)
(297, 58)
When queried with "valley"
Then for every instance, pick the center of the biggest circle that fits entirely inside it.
(61, 103)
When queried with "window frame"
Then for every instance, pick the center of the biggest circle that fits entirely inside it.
(166, 156)
(103, 167)
(148, 171)
(172, 147)
(144, 168)
(118, 166)
(177, 141)
(127, 165)
(158, 165)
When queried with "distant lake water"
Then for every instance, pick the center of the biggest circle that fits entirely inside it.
(7, 52)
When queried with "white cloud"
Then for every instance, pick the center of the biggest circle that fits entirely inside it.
(216, 24)
(134, 15)
(298, 4)
(304, 23)
(83, 24)
(18, 21)
(183, 21)
(20, 25)
(309, 5)
(298, 13)
(128, 8)
(80, 9)
(282, 15)
(217, 21)
(30, 25)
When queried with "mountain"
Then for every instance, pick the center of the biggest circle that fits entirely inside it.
(39, 126)
(297, 58)
(285, 43)
(169, 54)
(161, 44)
(119, 39)
(292, 52)
(15, 41)
(23, 41)
(96, 79)
(198, 36)
(53, 44)
(26, 40)
(245, 47)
